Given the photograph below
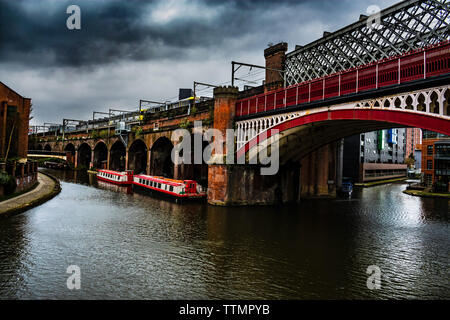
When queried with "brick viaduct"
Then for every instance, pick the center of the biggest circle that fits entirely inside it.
(149, 151)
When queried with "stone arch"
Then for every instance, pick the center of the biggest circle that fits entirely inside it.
(100, 155)
(39, 147)
(387, 103)
(137, 156)
(161, 160)
(70, 148)
(84, 155)
(117, 156)
(397, 102)
(48, 147)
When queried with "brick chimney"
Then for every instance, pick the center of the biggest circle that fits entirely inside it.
(275, 59)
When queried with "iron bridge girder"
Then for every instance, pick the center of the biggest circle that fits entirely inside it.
(403, 27)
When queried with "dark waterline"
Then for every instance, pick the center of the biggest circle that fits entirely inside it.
(135, 247)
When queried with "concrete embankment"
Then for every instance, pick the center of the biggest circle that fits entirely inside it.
(48, 188)
(419, 193)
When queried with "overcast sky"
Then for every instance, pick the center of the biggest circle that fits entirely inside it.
(131, 50)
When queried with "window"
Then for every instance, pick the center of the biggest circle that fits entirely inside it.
(430, 150)
(171, 188)
(430, 165)
(428, 179)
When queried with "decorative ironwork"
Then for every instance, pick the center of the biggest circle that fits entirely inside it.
(406, 26)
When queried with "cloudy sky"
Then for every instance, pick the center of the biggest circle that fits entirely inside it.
(131, 50)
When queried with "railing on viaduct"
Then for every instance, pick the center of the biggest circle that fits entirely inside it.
(412, 66)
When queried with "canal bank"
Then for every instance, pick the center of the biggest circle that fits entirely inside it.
(379, 182)
(48, 187)
(424, 194)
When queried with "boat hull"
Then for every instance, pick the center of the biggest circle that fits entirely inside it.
(144, 190)
(121, 183)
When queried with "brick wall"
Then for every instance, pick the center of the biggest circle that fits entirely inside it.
(9, 97)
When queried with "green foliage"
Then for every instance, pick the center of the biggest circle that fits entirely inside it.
(210, 119)
(103, 134)
(8, 183)
(137, 130)
(94, 134)
(193, 110)
(185, 124)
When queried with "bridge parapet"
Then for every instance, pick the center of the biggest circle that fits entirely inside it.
(425, 108)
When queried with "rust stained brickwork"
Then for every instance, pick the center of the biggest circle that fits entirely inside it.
(14, 102)
(218, 175)
(275, 59)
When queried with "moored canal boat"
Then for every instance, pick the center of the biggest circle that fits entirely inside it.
(179, 189)
(116, 177)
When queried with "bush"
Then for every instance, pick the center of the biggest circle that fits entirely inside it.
(103, 134)
(8, 183)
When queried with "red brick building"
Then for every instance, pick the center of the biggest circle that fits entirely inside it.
(413, 138)
(14, 123)
(436, 160)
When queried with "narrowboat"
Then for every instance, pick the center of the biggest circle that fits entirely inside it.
(122, 178)
(179, 189)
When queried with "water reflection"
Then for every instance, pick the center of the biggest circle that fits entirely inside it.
(134, 246)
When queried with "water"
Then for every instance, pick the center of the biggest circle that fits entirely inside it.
(130, 246)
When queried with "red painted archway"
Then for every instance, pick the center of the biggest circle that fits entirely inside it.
(400, 118)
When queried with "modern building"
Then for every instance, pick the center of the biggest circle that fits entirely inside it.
(418, 158)
(14, 123)
(413, 138)
(375, 155)
(436, 160)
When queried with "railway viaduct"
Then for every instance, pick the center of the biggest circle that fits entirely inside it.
(329, 89)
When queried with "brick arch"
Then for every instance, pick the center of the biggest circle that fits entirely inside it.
(130, 143)
(97, 142)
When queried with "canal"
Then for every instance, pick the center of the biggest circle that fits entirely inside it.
(129, 246)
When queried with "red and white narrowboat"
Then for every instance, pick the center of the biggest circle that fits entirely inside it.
(180, 189)
(122, 178)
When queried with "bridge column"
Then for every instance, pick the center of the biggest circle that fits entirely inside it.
(149, 160)
(219, 174)
(76, 158)
(92, 160)
(319, 172)
(108, 158)
(275, 59)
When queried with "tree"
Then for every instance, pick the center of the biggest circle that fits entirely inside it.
(410, 161)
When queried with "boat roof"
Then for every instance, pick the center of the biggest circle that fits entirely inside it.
(171, 182)
(113, 172)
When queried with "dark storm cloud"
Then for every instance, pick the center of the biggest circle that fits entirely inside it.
(33, 32)
(130, 50)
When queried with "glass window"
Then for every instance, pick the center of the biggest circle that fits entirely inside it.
(430, 150)
(430, 164)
